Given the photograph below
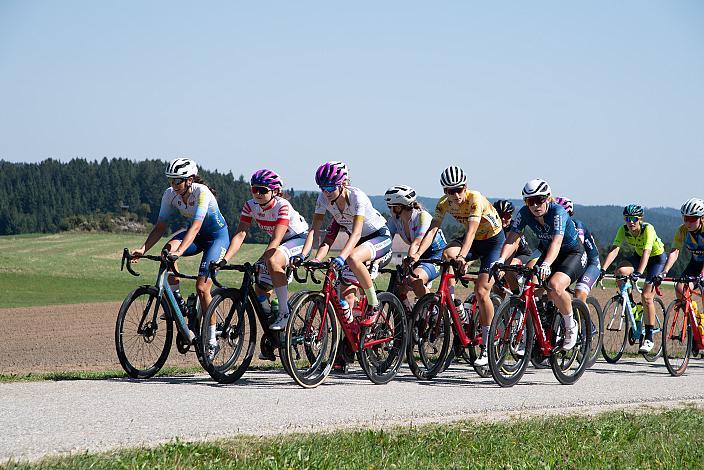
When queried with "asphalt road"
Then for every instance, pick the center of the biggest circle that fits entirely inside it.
(46, 418)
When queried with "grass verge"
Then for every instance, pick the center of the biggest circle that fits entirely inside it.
(614, 440)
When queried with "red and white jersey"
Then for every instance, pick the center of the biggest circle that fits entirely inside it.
(278, 212)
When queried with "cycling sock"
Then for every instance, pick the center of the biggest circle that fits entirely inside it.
(649, 332)
(371, 296)
(485, 335)
(282, 295)
(213, 340)
(569, 320)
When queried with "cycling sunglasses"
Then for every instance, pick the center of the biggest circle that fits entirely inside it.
(690, 219)
(328, 189)
(535, 200)
(454, 190)
(631, 219)
(176, 180)
(261, 190)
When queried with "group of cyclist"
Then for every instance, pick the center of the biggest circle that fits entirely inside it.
(566, 251)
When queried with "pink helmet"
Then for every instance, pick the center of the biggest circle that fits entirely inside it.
(331, 174)
(266, 178)
(566, 203)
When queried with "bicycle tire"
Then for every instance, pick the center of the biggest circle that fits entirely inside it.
(236, 345)
(677, 339)
(129, 318)
(506, 365)
(616, 330)
(293, 302)
(568, 366)
(658, 328)
(309, 344)
(595, 313)
(474, 350)
(381, 362)
(429, 337)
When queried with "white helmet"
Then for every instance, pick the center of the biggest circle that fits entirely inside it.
(181, 168)
(453, 177)
(694, 207)
(400, 194)
(536, 187)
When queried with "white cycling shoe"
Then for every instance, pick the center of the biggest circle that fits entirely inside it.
(483, 359)
(646, 347)
(570, 338)
(280, 323)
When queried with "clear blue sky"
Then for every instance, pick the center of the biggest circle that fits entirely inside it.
(604, 99)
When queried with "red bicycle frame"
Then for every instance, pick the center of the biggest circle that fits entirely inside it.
(697, 337)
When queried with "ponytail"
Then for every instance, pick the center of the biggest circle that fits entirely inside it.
(199, 180)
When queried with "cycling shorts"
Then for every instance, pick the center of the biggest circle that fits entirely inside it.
(291, 247)
(487, 251)
(570, 262)
(213, 246)
(379, 245)
(654, 267)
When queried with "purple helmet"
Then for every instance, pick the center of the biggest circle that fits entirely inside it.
(566, 203)
(266, 178)
(331, 174)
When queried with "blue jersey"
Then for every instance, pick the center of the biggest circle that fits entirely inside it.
(557, 222)
(201, 205)
(417, 226)
(589, 244)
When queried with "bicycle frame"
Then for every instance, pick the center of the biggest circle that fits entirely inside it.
(166, 269)
(636, 329)
(697, 337)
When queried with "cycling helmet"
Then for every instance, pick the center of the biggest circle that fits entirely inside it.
(536, 187)
(331, 174)
(181, 168)
(400, 195)
(503, 206)
(341, 166)
(453, 177)
(633, 210)
(694, 207)
(266, 178)
(566, 203)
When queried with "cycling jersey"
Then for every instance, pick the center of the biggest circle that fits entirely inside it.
(201, 205)
(358, 204)
(418, 225)
(589, 244)
(694, 241)
(557, 222)
(474, 207)
(523, 248)
(277, 212)
(646, 240)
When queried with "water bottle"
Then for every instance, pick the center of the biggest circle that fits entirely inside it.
(461, 311)
(638, 311)
(274, 314)
(181, 303)
(346, 311)
(698, 315)
(191, 311)
(467, 308)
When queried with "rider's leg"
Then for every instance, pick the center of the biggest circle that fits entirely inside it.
(356, 261)
(450, 253)
(558, 284)
(276, 264)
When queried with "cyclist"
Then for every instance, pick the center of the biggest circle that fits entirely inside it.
(287, 231)
(562, 260)
(369, 237)
(593, 270)
(691, 235)
(649, 258)
(524, 254)
(410, 221)
(207, 232)
(482, 240)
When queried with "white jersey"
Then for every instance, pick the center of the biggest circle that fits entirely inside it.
(359, 204)
(278, 212)
(201, 205)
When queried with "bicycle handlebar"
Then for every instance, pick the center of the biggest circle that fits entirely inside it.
(213, 269)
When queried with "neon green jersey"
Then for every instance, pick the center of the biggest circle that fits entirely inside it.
(646, 240)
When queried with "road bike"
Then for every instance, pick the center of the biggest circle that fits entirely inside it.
(684, 335)
(623, 322)
(234, 312)
(312, 335)
(529, 326)
(437, 333)
(145, 322)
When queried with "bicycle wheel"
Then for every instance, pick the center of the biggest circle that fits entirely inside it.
(677, 339)
(597, 318)
(143, 332)
(382, 345)
(568, 366)
(429, 339)
(658, 328)
(310, 340)
(511, 342)
(616, 330)
(235, 346)
(293, 301)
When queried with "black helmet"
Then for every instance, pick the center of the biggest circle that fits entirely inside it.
(503, 206)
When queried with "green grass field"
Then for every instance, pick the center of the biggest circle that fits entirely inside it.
(72, 268)
(653, 439)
